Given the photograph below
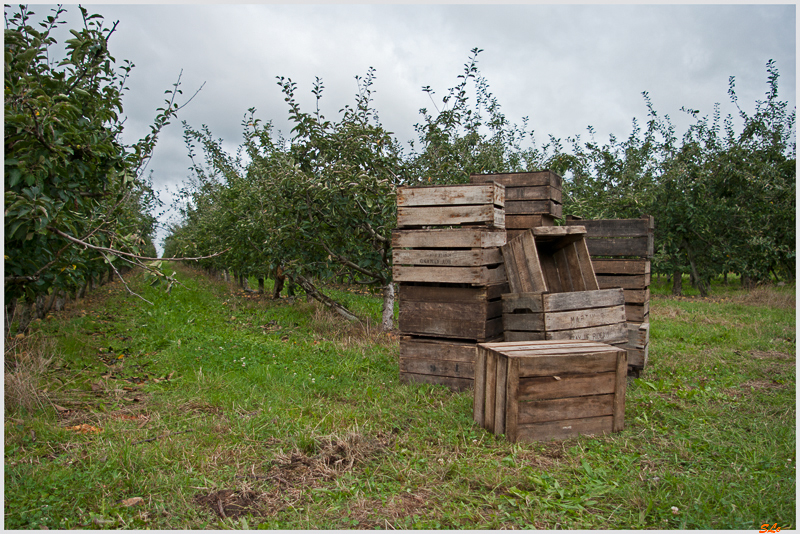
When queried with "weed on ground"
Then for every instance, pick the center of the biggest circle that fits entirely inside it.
(221, 408)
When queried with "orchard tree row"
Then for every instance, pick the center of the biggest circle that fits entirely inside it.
(321, 204)
(78, 208)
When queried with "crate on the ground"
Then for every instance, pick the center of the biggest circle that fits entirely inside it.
(452, 255)
(451, 205)
(549, 259)
(452, 311)
(637, 345)
(592, 315)
(618, 237)
(543, 390)
(447, 362)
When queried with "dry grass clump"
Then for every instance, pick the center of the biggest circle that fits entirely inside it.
(329, 325)
(26, 362)
(768, 296)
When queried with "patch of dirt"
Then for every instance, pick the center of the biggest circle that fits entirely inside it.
(366, 511)
(294, 473)
(772, 354)
(229, 503)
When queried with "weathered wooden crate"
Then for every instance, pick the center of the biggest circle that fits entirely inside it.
(527, 193)
(543, 390)
(618, 237)
(549, 259)
(451, 205)
(516, 224)
(449, 311)
(447, 362)
(593, 315)
(637, 345)
(453, 255)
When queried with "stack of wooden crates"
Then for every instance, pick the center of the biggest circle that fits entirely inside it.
(450, 274)
(621, 250)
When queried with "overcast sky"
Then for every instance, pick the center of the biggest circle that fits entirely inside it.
(565, 67)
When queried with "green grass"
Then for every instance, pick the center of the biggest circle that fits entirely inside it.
(288, 417)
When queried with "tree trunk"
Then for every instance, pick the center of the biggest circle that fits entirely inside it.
(10, 310)
(677, 283)
(327, 301)
(697, 281)
(82, 290)
(260, 285)
(225, 275)
(747, 282)
(387, 322)
(25, 313)
(725, 278)
(61, 299)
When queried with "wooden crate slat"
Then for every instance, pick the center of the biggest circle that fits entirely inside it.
(578, 276)
(520, 254)
(524, 222)
(614, 246)
(544, 411)
(530, 302)
(611, 333)
(479, 388)
(424, 366)
(455, 258)
(449, 238)
(436, 349)
(501, 386)
(574, 319)
(577, 300)
(549, 269)
(637, 296)
(567, 385)
(450, 215)
(620, 266)
(619, 392)
(450, 294)
(565, 276)
(451, 195)
(637, 313)
(638, 335)
(589, 278)
(561, 359)
(529, 322)
(557, 430)
(615, 227)
(512, 335)
(438, 319)
(483, 275)
(533, 207)
(542, 192)
(519, 179)
(631, 281)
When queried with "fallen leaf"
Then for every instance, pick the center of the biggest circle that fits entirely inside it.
(84, 428)
(133, 501)
(60, 408)
(97, 387)
(557, 377)
(169, 377)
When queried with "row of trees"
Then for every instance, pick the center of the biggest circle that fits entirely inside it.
(78, 206)
(321, 203)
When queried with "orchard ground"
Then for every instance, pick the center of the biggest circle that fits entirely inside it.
(216, 408)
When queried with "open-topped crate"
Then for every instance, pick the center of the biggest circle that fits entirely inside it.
(532, 198)
(451, 205)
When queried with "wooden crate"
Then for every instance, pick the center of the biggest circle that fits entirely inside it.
(545, 178)
(637, 345)
(518, 223)
(618, 237)
(450, 311)
(549, 259)
(637, 313)
(543, 390)
(446, 362)
(454, 255)
(593, 315)
(527, 193)
(451, 205)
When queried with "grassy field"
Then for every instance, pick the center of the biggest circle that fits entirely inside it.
(215, 408)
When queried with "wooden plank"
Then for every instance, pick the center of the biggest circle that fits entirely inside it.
(472, 328)
(449, 238)
(483, 275)
(455, 258)
(570, 320)
(631, 281)
(574, 264)
(637, 358)
(554, 232)
(529, 221)
(638, 335)
(637, 313)
(614, 246)
(433, 349)
(469, 295)
(451, 215)
(577, 300)
(521, 256)
(620, 266)
(614, 227)
(526, 322)
(491, 389)
(425, 366)
(456, 384)
(567, 385)
(611, 333)
(564, 274)
(533, 207)
(479, 393)
(519, 179)
(566, 408)
(587, 271)
(637, 296)
(451, 195)
(550, 272)
(449, 312)
(590, 361)
(541, 192)
(501, 387)
(512, 399)
(544, 348)
(557, 430)
(619, 392)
